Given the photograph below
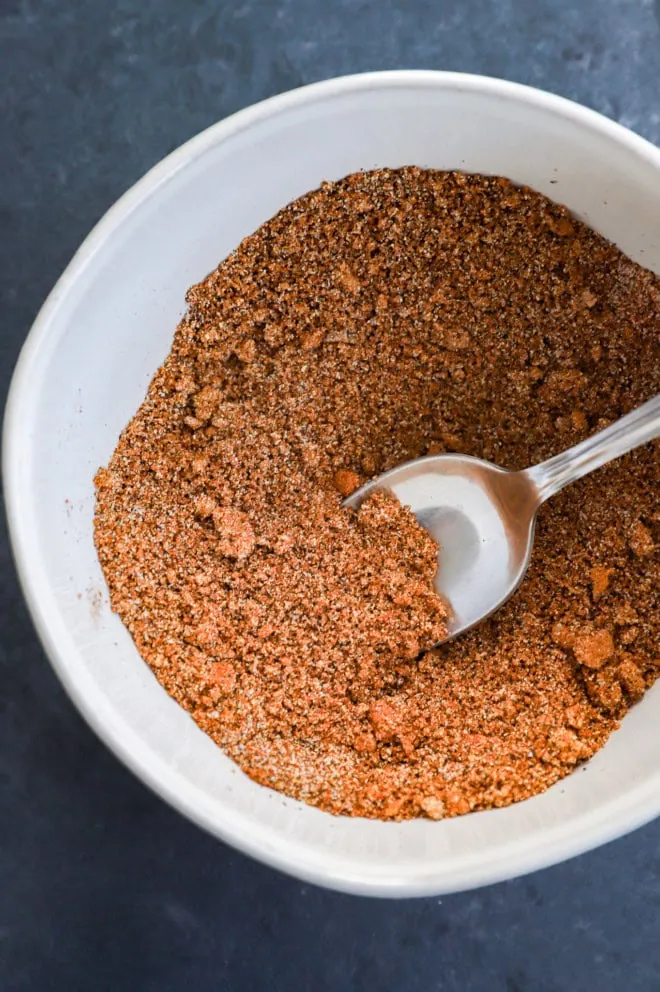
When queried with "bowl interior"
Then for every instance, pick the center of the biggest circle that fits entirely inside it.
(109, 324)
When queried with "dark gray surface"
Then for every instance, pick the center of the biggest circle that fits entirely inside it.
(101, 885)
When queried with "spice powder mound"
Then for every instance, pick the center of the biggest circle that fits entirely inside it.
(376, 319)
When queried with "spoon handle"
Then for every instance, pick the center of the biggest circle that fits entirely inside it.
(638, 427)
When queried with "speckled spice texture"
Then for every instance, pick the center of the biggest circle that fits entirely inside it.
(393, 314)
(101, 885)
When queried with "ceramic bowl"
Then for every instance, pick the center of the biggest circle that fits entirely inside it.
(107, 326)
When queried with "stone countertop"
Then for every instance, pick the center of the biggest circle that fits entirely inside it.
(102, 886)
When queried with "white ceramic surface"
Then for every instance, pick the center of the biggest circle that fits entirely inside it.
(108, 324)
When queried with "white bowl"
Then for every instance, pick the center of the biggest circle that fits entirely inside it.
(107, 326)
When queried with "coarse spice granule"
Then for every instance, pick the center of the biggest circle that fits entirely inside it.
(376, 319)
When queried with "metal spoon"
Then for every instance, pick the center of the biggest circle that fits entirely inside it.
(483, 517)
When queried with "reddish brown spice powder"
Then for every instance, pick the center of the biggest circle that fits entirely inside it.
(388, 315)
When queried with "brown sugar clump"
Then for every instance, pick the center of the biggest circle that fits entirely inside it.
(377, 319)
(600, 580)
(641, 540)
(237, 538)
(593, 648)
(631, 678)
(434, 808)
(346, 481)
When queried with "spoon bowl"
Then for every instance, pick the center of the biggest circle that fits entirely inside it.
(482, 516)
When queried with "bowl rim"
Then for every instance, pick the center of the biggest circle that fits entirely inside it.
(611, 820)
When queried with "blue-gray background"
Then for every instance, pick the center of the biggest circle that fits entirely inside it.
(102, 887)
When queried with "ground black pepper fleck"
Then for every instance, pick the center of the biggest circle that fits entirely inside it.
(388, 315)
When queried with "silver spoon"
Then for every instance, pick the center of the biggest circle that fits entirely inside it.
(483, 517)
